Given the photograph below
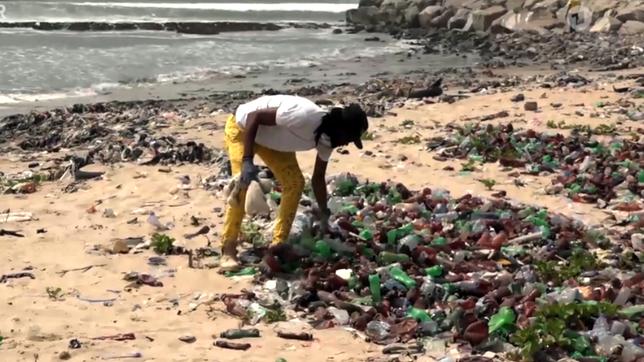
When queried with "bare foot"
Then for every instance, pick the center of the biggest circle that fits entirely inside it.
(228, 261)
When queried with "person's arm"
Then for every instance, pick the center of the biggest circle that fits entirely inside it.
(264, 117)
(318, 183)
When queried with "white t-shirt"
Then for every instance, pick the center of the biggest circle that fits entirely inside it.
(296, 120)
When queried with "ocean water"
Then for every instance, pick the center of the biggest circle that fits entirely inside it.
(41, 65)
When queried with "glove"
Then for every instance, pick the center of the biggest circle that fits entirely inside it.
(248, 172)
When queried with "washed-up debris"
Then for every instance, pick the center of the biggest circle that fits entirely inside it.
(188, 339)
(6, 217)
(117, 337)
(139, 279)
(23, 274)
(240, 333)
(124, 356)
(74, 344)
(231, 345)
(204, 230)
(588, 170)
(81, 269)
(400, 265)
(4, 232)
(301, 336)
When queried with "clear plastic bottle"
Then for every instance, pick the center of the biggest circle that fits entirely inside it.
(378, 330)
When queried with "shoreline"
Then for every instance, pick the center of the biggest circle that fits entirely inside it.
(339, 72)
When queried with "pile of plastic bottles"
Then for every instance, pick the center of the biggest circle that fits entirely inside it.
(403, 266)
(586, 169)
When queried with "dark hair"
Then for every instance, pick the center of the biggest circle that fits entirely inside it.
(329, 124)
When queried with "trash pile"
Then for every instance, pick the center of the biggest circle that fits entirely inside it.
(416, 271)
(587, 170)
(109, 137)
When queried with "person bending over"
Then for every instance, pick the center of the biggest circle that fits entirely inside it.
(275, 127)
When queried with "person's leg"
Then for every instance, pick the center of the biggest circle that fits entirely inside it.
(234, 142)
(287, 172)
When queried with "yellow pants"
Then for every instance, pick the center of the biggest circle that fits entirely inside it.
(287, 172)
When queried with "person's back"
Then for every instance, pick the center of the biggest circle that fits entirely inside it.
(296, 120)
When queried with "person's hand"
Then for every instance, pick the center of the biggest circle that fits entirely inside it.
(248, 172)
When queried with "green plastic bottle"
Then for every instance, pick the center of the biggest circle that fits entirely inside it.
(366, 234)
(640, 176)
(418, 314)
(387, 258)
(246, 271)
(323, 249)
(350, 209)
(504, 318)
(435, 271)
(439, 241)
(399, 275)
(374, 286)
(353, 282)
(391, 236)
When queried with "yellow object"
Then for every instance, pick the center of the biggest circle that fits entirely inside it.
(287, 172)
(573, 3)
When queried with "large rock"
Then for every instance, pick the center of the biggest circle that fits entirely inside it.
(458, 4)
(600, 6)
(368, 15)
(392, 11)
(631, 13)
(421, 4)
(524, 20)
(425, 17)
(365, 3)
(552, 5)
(514, 5)
(459, 19)
(632, 27)
(410, 17)
(505, 24)
(605, 25)
(528, 4)
(482, 19)
(442, 20)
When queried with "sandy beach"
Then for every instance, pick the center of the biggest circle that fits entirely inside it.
(72, 231)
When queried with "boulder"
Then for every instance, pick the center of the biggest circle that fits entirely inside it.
(410, 17)
(425, 17)
(505, 24)
(458, 4)
(368, 15)
(605, 25)
(421, 4)
(528, 4)
(632, 27)
(365, 3)
(441, 20)
(599, 6)
(392, 11)
(551, 5)
(459, 19)
(631, 13)
(514, 5)
(524, 20)
(482, 19)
